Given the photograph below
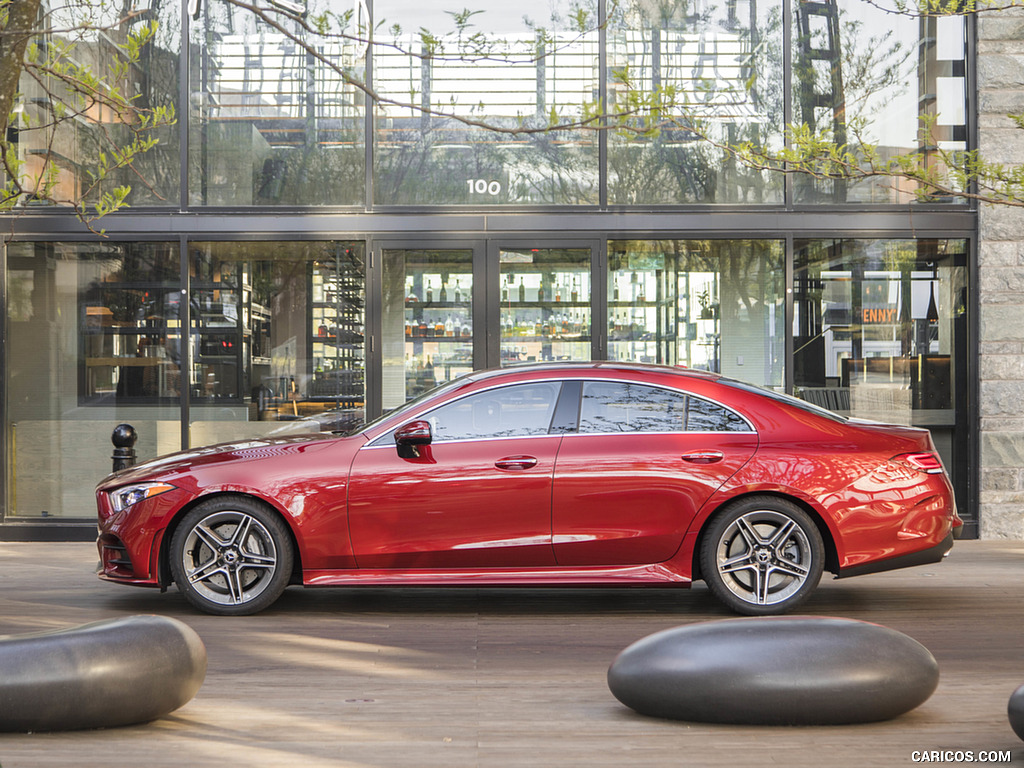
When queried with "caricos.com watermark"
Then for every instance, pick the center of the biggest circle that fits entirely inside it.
(961, 756)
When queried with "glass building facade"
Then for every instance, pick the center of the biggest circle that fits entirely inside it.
(346, 214)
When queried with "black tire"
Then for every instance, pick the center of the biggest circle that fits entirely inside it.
(231, 556)
(762, 556)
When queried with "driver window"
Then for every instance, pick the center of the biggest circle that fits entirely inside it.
(516, 411)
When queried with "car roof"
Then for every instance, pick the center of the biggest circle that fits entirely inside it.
(595, 365)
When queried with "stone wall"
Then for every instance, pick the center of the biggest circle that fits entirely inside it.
(1001, 276)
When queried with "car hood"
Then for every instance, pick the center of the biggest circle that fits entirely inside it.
(243, 450)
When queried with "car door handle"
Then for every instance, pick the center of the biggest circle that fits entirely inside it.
(516, 463)
(703, 457)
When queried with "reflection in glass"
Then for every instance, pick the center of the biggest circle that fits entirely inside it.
(131, 327)
(545, 304)
(704, 416)
(275, 122)
(715, 305)
(55, 124)
(277, 338)
(516, 411)
(722, 68)
(515, 67)
(615, 407)
(427, 320)
(94, 340)
(878, 325)
(863, 74)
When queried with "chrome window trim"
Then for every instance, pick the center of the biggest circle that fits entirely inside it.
(369, 447)
(372, 443)
(688, 432)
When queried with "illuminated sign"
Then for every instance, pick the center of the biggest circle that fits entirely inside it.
(879, 315)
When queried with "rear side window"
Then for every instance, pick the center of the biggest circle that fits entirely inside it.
(608, 407)
(705, 416)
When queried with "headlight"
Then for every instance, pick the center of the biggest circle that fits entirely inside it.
(125, 497)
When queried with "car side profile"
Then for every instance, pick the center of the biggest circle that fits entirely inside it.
(554, 474)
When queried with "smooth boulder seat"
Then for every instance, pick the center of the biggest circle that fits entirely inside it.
(775, 671)
(1015, 710)
(108, 673)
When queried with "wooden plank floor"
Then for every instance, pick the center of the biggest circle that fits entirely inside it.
(509, 677)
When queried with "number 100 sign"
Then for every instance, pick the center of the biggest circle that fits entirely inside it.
(484, 187)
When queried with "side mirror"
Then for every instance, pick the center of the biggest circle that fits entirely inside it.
(409, 437)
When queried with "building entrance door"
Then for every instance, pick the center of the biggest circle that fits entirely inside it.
(430, 330)
(547, 302)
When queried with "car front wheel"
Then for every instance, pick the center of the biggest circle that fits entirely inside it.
(231, 556)
(762, 556)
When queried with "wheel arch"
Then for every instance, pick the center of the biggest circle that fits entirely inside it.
(163, 558)
(828, 541)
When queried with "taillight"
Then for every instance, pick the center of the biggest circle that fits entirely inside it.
(922, 462)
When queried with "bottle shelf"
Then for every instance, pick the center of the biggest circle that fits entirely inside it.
(449, 305)
(559, 337)
(511, 305)
(442, 339)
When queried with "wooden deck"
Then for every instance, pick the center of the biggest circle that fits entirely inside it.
(510, 677)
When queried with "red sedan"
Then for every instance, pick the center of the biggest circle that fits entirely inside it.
(584, 474)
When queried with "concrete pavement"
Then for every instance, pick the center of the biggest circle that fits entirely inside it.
(510, 677)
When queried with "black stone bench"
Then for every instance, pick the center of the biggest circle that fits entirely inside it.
(108, 673)
(1015, 710)
(775, 671)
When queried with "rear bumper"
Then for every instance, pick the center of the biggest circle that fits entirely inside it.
(924, 557)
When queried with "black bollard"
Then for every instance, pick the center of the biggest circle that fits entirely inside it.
(123, 438)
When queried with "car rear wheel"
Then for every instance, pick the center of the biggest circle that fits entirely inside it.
(762, 556)
(231, 556)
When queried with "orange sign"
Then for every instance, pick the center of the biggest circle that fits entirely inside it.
(878, 315)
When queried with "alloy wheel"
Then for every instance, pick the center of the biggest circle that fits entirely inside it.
(764, 557)
(229, 557)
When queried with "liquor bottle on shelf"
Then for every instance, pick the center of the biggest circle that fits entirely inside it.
(430, 292)
(467, 330)
(458, 292)
(449, 327)
(540, 290)
(558, 290)
(444, 293)
(504, 293)
(575, 292)
(522, 291)
(439, 328)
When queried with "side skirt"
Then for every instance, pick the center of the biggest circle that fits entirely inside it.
(634, 575)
